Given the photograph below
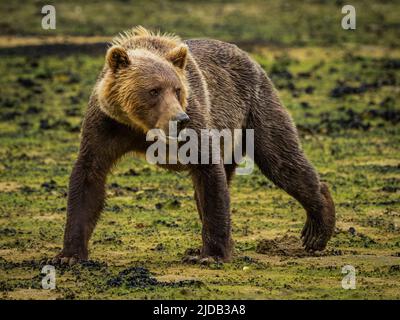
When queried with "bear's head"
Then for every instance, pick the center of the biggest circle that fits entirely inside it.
(143, 89)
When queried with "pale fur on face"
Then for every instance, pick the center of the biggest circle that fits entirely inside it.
(130, 74)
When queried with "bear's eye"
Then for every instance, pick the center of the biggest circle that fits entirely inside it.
(178, 93)
(155, 92)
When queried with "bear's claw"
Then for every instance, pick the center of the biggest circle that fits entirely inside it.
(314, 236)
(194, 256)
(198, 259)
(62, 260)
(317, 231)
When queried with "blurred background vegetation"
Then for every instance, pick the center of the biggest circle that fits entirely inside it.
(291, 22)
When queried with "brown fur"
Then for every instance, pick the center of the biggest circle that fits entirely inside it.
(219, 87)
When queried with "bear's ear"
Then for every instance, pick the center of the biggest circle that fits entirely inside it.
(178, 56)
(117, 58)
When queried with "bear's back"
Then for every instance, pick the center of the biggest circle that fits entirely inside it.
(219, 53)
(232, 77)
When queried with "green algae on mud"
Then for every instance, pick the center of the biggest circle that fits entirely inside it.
(150, 219)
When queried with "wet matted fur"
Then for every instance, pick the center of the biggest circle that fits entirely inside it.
(148, 79)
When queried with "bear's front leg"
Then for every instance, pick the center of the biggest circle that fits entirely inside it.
(103, 142)
(85, 202)
(212, 198)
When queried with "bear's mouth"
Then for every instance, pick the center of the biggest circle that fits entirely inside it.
(168, 139)
(160, 135)
(171, 138)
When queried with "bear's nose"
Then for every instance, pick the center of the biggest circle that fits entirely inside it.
(182, 120)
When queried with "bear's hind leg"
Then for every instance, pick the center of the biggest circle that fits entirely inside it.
(278, 154)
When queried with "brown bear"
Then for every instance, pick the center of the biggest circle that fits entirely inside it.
(150, 79)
